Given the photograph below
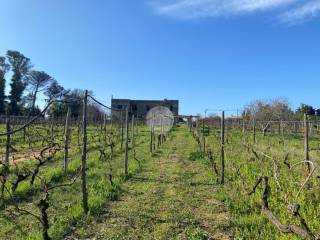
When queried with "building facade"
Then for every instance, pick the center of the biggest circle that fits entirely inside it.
(140, 108)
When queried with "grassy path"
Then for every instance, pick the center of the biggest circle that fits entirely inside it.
(172, 197)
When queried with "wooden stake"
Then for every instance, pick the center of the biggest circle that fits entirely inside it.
(203, 137)
(121, 130)
(132, 131)
(66, 141)
(254, 130)
(222, 148)
(8, 140)
(84, 155)
(126, 146)
(306, 141)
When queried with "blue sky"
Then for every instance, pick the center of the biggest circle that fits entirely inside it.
(206, 53)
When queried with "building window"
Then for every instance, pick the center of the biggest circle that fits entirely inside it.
(171, 108)
(134, 108)
(148, 108)
(119, 106)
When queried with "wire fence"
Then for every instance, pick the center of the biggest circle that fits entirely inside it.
(279, 154)
(89, 155)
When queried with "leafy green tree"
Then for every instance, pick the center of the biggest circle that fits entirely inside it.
(304, 108)
(38, 82)
(71, 101)
(55, 90)
(4, 68)
(20, 66)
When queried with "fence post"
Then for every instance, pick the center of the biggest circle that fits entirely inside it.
(126, 146)
(105, 127)
(66, 141)
(203, 137)
(8, 136)
(78, 131)
(7, 156)
(243, 125)
(222, 148)
(254, 130)
(161, 130)
(151, 139)
(306, 141)
(24, 133)
(52, 128)
(154, 139)
(132, 131)
(121, 130)
(153, 134)
(282, 131)
(84, 155)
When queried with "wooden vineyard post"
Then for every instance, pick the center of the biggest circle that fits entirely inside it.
(78, 132)
(52, 128)
(282, 132)
(151, 139)
(132, 131)
(24, 133)
(306, 141)
(5, 170)
(126, 146)
(189, 125)
(84, 155)
(243, 125)
(161, 130)
(121, 130)
(203, 137)
(8, 140)
(154, 139)
(222, 148)
(254, 130)
(66, 141)
(105, 127)
(111, 120)
(151, 135)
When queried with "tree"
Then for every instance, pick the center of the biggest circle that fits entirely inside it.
(55, 91)
(20, 66)
(304, 108)
(38, 82)
(4, 68)
(276, 109)
(72, 100)
(281, 109)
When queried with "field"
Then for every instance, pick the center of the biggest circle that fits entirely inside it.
(172, 188)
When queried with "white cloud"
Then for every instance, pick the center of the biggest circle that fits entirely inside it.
(285, 10)
(303, 12)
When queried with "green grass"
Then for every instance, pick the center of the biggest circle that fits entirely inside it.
(170, 194)
(65, 210)
(172, 197)
(246, 218)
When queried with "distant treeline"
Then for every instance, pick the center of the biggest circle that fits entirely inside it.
(26, 84)
(275, 110)
(278, 109)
